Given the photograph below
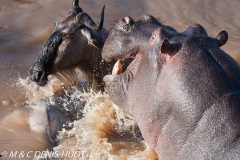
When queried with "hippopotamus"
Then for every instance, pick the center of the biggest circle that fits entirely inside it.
(181, 88)
(128, 37)
(76, 42)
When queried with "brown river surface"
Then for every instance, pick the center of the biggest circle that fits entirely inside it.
(24, 27)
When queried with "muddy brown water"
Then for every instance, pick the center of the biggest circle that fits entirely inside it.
(24, 27)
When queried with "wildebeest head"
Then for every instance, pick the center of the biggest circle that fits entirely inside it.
(75, 40)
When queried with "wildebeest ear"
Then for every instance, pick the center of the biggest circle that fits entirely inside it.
(167, 47)
(222, 38)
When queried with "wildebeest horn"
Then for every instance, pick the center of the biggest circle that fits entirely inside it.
(100, 21)
(76, 6)
(75, 3)
(86, 20)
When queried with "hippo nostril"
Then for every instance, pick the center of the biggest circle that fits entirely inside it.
(124, 20)
(128, 20)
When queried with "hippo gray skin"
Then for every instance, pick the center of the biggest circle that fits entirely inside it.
(128, 37)
(75, 42)
(179, 90)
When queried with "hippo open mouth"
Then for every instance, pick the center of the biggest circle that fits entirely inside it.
(120, 79)
(134, 55)
(127, 40)
(117, 69)
(130, 70)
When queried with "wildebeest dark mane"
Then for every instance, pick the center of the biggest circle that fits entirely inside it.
(46, 55)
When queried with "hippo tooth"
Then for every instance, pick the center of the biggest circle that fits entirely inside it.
(117, 69)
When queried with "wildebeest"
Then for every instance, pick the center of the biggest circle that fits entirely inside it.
(181, 88)
(54, 113)
(75, 42)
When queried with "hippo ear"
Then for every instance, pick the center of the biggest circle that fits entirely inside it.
(222, 38)
(167, 47)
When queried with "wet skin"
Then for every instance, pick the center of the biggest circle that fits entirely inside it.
(181, 89)
(76, 42)
(128, 37)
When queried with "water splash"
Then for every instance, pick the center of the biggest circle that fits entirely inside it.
(104, 133)
(34, 92)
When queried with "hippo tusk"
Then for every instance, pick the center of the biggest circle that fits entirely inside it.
(117, 69)
(129, 116)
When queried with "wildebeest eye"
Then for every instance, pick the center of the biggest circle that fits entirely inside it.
(125, 27)
(72, 31)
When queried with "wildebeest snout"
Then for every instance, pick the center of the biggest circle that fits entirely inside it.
(39, 76)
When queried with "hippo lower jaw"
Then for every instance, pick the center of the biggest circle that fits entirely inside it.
(117, 70)
(121, 80)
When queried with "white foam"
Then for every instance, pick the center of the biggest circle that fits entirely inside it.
(38, 116)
